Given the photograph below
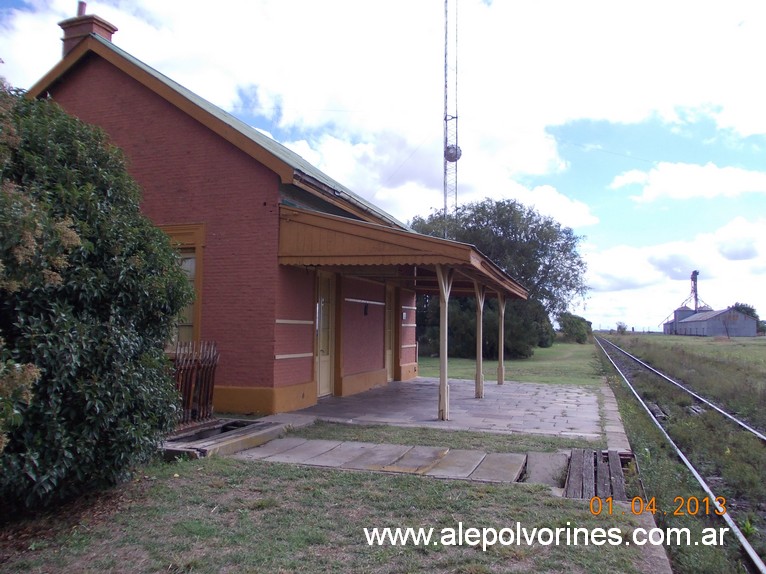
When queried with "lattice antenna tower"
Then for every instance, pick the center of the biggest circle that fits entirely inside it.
(452, 151)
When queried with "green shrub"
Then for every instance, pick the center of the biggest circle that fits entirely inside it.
(89, 290)
(574, 328)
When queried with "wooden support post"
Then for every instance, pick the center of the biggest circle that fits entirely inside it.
(445, 285)
(501, 338)
(481, 291)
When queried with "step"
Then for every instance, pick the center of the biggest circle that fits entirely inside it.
(595, 473)
(548, 468)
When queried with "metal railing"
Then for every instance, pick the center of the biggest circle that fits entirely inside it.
(195, 364)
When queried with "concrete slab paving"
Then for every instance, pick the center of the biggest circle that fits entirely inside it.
(417, 460)
(616, 439)
(513, 407)
(305, 451)
(270, 448)
(457, 463)
(377, 457)
(341, 454)
(500, 467)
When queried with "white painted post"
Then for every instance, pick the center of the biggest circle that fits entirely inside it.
(445, 285)
(501, 339)
(481, 291)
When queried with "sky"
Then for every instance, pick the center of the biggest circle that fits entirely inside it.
(639, 125)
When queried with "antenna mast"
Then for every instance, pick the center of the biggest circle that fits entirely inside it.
(452, 151)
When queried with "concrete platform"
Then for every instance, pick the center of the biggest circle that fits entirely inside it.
(553, 410)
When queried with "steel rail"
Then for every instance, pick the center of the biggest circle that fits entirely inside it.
(731, 417)
(735, 529)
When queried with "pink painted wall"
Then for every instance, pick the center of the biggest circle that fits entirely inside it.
(363, 345)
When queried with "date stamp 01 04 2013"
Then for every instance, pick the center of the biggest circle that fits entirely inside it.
(691, 505)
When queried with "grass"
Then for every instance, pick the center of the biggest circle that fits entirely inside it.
(225, 515)
(665, 478)
(729, 372)
(563, 363)
(488, 442)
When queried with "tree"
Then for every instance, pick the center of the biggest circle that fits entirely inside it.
(575, 328)
(89, 292)
(533, 249)
(622, 328)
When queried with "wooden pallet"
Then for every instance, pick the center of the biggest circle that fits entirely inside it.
(594, 473)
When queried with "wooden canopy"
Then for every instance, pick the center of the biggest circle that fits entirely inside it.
(419, 262)
(309, 238)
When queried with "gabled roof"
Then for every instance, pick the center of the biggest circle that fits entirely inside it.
(291, 167)
(705, 315)
(379, 241)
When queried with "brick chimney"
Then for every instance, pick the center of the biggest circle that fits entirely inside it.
(81, 26)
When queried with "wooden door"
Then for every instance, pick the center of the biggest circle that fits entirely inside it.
(389, 333)
(325, 333)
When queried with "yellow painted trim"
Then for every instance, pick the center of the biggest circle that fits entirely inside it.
(360, 382)
(407, 371)
(191, 236)
(264, 400)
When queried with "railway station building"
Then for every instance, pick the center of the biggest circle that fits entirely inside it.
(307, 288)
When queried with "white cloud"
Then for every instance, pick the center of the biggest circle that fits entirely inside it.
(742, 240)
(690, 181)
(358, 86)
(642, 285)
(362, 68)
(549, 201)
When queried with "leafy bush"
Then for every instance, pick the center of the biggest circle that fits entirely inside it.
(89, 290)
(574, 328)
(526, 326)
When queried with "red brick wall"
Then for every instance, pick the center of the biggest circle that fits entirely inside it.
(190, 175)
(362, 336)
(295, 302)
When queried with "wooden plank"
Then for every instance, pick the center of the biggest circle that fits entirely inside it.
(588, 474)
(603, 483)
(617, 478)
(574, 478)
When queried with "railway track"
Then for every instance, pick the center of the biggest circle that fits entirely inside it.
(644, 382)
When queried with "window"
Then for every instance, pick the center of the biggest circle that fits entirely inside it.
(189, 240)
(186, 322)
